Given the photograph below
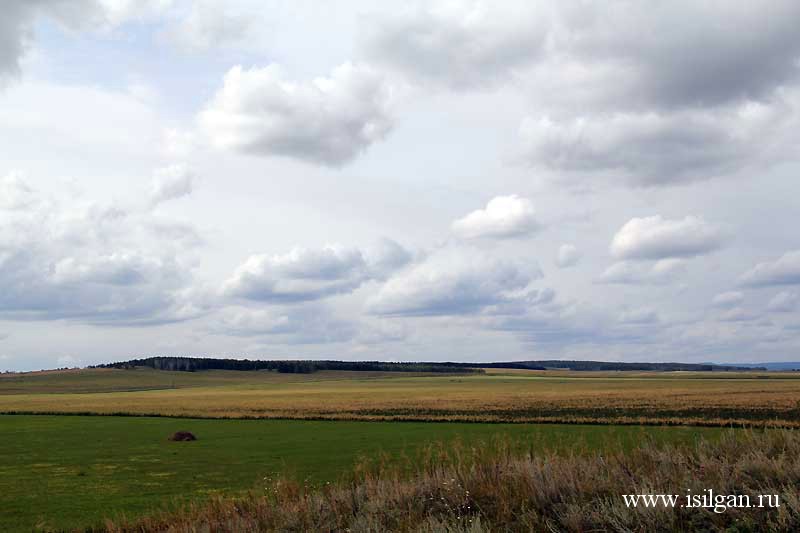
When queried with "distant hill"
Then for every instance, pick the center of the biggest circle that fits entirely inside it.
(611, 366)
(193, 364)
(779, 365)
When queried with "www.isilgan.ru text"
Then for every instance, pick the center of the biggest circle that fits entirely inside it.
(707, 499)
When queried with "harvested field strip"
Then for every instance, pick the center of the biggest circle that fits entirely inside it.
(490, 398)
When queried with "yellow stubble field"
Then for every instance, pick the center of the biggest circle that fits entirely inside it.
(761, 399)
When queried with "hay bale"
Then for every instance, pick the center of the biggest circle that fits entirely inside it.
(182, 436)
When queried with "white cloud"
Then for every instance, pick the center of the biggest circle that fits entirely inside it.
(784, 302)
(659, 238)
(300, 275)
(327, 121)
(117, 12)
(15, 193)
(568, 255)
(210, 23)
(728, 299)
(783, 271)
(453, 281)
(504, 217)
(94, 263)
(661, 272)
(170, 183)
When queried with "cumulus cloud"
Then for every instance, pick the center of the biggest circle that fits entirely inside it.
(504, 217)
(452, 281)
(94, 263)
(300, 275)
(654, 96)
(568, 255)
(456, 44)
(728, 299)
(327, 121)
(170, 183)
(659, 238)
(681, 53)
(654, 148)
(661, 272)
(784, 302)
(783, 271)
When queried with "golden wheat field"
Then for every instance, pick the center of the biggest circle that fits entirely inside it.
(763, 399)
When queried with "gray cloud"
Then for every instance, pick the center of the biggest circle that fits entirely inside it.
(729, 299)
(643, 315)
(304, 275)
(308, 324)
(678, 54)
(686, 53)
(467, 45)
(452, 281)
(783, 271)
(19, 17)
(566, 328)
(386, 257)
(15, 32)
(327, 121)
(659, 238)
(652, 95)
(739, 314)
(300, 275)
(657, 148)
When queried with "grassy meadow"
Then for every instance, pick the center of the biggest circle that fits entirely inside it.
(75, 471)
(480, 491)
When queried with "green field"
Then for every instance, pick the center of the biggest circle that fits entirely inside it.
(74, 471)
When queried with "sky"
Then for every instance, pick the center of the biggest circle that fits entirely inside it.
(408, 181)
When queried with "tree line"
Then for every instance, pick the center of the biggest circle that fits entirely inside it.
(194, 364)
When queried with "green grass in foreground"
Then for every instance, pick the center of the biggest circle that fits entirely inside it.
(73, 471)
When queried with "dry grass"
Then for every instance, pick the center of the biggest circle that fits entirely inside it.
(685, 398)
(495, 489)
